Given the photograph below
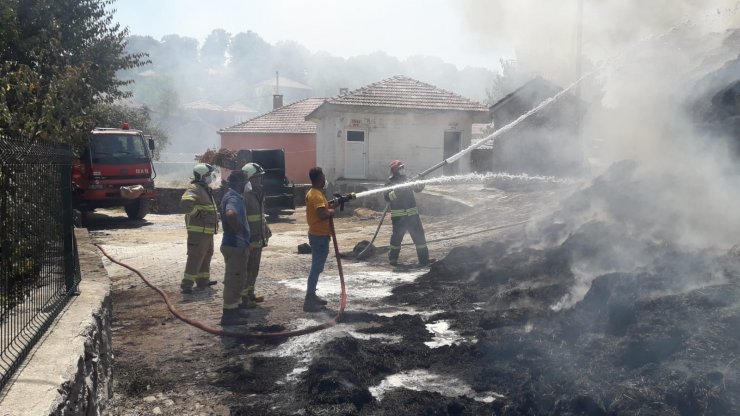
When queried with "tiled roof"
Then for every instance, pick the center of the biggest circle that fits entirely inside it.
(404, 92)
(286, 119)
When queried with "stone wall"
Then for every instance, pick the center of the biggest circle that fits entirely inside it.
(69, 371)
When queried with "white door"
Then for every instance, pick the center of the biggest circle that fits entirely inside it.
(354, 154)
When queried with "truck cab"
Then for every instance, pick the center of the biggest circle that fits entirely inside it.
(115, 170)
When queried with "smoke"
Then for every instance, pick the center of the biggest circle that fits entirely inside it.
(654, 62)
(545, 34)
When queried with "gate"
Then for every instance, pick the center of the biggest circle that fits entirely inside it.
(39, 266)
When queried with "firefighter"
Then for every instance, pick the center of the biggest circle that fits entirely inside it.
(254, 198)
(404, 215)
(235, 246)
(201, 222)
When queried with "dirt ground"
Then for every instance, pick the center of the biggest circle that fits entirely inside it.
(545, 300)
(164, 366)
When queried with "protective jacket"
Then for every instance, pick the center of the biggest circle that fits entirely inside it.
(255, 202)
(200, 208)
(402, 201)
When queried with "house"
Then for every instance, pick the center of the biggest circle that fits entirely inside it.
(546, 143)
(358, 133)
(285, 127)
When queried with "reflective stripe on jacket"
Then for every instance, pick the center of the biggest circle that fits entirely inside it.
(200, 207)
(404, 212)
(256, 217)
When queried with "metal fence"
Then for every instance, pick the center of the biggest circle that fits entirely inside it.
(39, 266)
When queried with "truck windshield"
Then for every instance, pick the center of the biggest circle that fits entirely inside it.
(117, 149)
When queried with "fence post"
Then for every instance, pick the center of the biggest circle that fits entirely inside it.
(70, 249)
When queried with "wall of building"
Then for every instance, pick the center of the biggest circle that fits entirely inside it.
(300, 150)
(415, 138)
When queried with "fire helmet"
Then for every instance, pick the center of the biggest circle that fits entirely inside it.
(252, 169)
(201, 170)
(395, 165)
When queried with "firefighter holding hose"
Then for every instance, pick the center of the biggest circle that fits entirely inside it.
(404, 215)
(201, 222)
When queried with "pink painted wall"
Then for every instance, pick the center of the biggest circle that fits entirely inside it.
(300, 150)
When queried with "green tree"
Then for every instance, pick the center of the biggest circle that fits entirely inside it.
(213, 51)
(59, 58)
(251, 58)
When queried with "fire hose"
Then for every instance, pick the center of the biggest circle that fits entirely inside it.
(339, 201)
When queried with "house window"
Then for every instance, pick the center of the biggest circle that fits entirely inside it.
(355, 136)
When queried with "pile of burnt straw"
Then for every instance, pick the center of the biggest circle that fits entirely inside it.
(591, 318)
(584, 314)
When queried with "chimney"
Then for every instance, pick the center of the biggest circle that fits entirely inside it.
(343, 91)
(277, 101)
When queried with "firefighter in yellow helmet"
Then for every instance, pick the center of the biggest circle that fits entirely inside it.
(404, 216)
(254, 198)
(201, 222)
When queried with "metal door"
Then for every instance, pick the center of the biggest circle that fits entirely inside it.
(452, 145)
(354, 155)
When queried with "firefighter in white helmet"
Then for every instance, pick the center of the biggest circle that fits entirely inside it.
(254, 198)
(201, 222)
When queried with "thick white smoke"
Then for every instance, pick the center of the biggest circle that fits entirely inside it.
(651, 57)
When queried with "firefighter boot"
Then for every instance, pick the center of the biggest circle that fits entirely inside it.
(423, 254)
(253, 297)
(233, 317)
(186, 286)
(204, 283)
(393, 256)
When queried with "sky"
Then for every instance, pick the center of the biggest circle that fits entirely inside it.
(340, 27)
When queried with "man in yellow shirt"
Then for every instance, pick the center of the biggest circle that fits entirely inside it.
(318, 213)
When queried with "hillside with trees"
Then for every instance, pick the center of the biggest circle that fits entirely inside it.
(228, 69)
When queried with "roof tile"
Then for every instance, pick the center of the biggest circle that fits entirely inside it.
(286, 119)
(404, 92)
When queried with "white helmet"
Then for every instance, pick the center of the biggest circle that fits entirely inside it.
(201, 170)
(252, 169)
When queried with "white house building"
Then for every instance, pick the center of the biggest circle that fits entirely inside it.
(360, 132)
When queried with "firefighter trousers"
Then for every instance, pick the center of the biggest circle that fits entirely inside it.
(253, 269)
(412, 224)
(198, 264)
(235, 274)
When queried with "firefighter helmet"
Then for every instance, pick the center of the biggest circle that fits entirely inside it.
(252, 169)
(395, 165)
(201, 170)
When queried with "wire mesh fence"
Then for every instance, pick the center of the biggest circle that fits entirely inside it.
(39, 266)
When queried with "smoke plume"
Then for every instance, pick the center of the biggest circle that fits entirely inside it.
(653, 63)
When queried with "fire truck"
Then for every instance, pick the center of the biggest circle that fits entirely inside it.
(114, 170)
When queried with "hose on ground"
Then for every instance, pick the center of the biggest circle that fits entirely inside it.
(248, 335)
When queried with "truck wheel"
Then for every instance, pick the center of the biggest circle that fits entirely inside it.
(138, 209)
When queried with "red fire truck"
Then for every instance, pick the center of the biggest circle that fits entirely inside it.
(115, 170)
